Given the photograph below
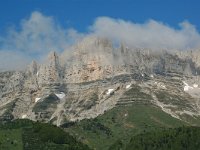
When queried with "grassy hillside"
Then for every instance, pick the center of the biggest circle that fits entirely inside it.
(182, 138)
(124, 127)
(120, 124)
(28, 135)
(11, 139)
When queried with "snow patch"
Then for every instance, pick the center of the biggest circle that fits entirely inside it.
(109, 91)
(24, 116)
(151, 76)
(37, 73)
(37, 99)
(187, 87)
(128, 86)
(160, 85)
(195, 85)
(61, 95)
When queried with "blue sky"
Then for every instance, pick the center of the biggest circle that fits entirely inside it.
(30, 29)
(81, 13)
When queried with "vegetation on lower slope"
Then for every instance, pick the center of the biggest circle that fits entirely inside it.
(120, 124)
(28, 135)
(182, 138)
(11, 139)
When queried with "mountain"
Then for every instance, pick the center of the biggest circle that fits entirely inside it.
(101, 92)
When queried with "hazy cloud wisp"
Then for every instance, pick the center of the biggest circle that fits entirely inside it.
(152, 34)
(40, 34)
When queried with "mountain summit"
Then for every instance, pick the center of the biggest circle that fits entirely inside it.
(97, 76)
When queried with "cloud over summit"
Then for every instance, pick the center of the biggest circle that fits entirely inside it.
(37, 36)
(151, 34)
(40, 34)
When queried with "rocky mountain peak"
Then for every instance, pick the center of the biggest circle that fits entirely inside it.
(33, 67)
(95, 58)
(95, 77)
(50, 71)
(53, 57)
(92, 44)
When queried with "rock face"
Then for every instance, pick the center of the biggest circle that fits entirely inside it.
(50, 72)
(96, 77)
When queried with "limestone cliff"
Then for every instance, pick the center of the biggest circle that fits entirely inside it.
(97, 76)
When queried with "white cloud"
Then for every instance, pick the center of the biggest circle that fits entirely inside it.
(37, 36)
(151, 34)
(40, 34)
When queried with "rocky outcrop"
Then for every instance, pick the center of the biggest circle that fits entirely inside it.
(50, 72)
(97, 76)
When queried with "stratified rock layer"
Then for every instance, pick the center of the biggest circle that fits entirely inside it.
(96, 77)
